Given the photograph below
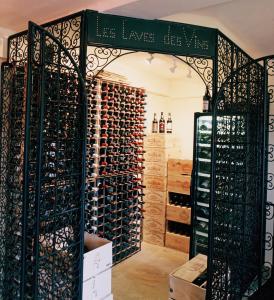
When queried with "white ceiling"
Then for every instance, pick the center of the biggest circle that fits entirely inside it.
(247, 22)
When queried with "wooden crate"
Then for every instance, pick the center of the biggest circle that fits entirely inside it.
(177, 241)
(155, 182)
(155, 168)
(156, 155)
(178, 214)
(154, 211)
(154, 225)
(154, 196)
(180, 280)
(159, 140)
(154, 237)
(179, 184)
(179, 167)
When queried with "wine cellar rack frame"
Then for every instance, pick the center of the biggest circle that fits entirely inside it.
(43, 147)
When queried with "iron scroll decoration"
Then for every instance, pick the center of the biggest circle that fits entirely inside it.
(258, 97)
(98, 58)
(63, 88)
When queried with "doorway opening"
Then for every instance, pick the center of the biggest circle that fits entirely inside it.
(161, 241)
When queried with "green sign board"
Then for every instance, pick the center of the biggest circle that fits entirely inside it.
(150, 35)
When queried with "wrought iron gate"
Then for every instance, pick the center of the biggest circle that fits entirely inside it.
(241, 225)
(42, 165)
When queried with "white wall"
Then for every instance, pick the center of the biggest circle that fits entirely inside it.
(4, 34)
(186, 99)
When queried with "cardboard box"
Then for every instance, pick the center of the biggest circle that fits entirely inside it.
(99, 256)
(178, 214)
(177, 241)
(179, 184)
(180, 280)
(179, 167)
(97, 287)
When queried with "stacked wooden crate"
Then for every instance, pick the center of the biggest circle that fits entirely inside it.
(158, 148)
(178, 181)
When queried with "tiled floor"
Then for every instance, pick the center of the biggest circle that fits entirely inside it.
(144, 276)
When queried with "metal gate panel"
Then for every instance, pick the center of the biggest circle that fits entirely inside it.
(237, 192)
(46, 203)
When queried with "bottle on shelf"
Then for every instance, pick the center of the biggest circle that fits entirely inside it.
(155, 124)
(206, 101)
(169, 124)
(162, 123)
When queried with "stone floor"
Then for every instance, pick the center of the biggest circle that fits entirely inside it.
(144, 276)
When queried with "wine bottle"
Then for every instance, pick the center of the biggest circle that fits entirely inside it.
(169, 124)
(206, 101)
(155, 124)
(162, 123)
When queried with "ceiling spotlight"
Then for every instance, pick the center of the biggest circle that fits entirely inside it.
(149, 60)
(173, 68)
(189, 74)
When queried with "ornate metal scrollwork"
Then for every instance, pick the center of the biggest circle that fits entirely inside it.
(270, 153)
(99, 57)
(270, 184)
(268, 241)
(18, 49)
(270, 66)
(202, 66)
(271, 123)
(269, 210)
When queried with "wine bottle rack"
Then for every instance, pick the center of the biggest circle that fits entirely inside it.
(201, 184)
(115, 156)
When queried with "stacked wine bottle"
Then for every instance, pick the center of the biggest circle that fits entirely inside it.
(114, 194)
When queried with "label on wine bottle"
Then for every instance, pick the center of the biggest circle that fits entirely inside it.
(162, 127)
(205, 105)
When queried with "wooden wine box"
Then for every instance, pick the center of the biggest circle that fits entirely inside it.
(177, 213)
(179, 167)
(156, 155)
(159, 140)
(177, 241)
(181, 286)
(154, 225)
(154, 211)
(155, 183)
(154, 237)
(155, 168)
(154, 195)
(179, 184)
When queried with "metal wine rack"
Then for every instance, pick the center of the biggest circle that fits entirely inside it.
(114, 193)
(201, 183)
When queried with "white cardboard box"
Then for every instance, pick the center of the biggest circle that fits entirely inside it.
(99, 258)
(98, 287)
